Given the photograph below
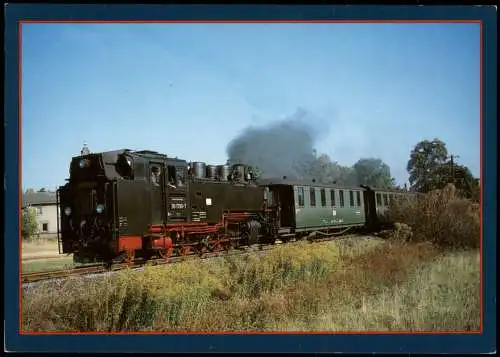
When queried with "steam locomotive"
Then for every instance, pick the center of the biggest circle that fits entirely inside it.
(121, 205)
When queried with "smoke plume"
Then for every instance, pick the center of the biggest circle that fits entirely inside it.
(283, 148)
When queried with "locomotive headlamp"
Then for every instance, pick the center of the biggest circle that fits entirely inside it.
(99, 209)
(67, 211)
(83, 163)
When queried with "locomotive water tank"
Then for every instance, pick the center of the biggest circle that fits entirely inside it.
(212, 172)
(223, 172)
(199, 169)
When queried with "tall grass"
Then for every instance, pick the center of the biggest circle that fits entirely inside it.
(441, 217)
(333, 286)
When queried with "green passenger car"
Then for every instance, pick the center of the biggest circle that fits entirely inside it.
(307, 206)
(383, 200)
(324, 206)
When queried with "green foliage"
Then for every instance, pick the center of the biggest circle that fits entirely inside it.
(425, 160)
(431, 168)
(373, 172)
(461, 177)
(29, 228)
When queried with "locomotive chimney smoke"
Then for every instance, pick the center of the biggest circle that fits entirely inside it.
(283, 148)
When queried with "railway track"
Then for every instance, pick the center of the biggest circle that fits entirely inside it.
(34, 277)
(99, 269)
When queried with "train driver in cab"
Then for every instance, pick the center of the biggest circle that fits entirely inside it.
(155, 176)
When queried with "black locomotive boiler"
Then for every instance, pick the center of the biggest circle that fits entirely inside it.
(120, 205)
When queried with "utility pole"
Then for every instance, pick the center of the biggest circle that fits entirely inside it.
(453, 167)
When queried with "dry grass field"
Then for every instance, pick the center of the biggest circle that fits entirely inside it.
(41, 248)
(321, 286)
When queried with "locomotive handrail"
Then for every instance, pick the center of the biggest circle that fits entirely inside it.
(58, 209)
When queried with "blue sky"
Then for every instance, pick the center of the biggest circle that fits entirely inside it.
(187, 89)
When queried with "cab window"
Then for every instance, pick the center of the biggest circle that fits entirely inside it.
(171, 175)
(155, 175)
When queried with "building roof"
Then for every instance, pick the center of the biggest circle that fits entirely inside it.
(293, 182)
(39, 198)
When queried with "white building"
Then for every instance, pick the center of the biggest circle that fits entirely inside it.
(45, 204)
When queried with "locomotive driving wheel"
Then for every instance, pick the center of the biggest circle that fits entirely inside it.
(165, 253)
(202, 249)
(129, 256)
(217, 247)
(185, 251)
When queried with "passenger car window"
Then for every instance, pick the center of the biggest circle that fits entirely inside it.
(341, 198)
(351, 198)
(332, 197)
(358, 198)
(323, 197)
(312, 196)
(300, 194)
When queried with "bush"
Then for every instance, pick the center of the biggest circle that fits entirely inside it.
(441, 217)
(29, 228)
(402, 232)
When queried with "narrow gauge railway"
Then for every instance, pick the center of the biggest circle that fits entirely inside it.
(123, 205)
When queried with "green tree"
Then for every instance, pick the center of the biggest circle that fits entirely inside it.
(425, 160)
(29, 230)
(460, 176)
(373, 172)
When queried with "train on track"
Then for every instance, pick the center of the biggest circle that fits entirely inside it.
(121, 205)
